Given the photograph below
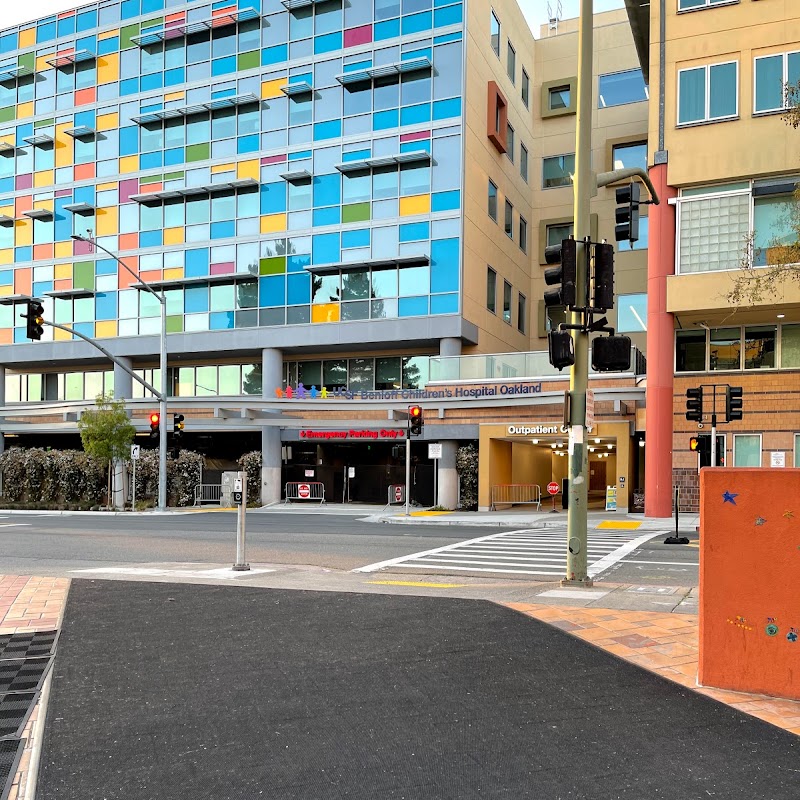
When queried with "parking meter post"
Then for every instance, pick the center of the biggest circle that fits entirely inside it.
(241, 564)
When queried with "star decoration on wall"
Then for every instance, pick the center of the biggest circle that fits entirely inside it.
(760, 521)
(788, 514)
(729, 497)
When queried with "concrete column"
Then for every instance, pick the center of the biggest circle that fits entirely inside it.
(447, 489)
(123, 382)
(271, 379)
(450, 347)
(2, 387)
(660, 349)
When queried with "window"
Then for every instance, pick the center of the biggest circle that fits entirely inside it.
(621, 88)
(492, 208)
(491, 290)
(522, 312)
(511, 64)
(797, 450)
(632, 313)
(690, 351)
(773, 74)
(523, 234)
(510, 142)
(495, 31)
(725, 349)
(526, 88)
(774, 221)
(557, 171)
(629, 155)
(759, 347)
(690, 5)
(557, 233)
(507, 302)
(523, 162)
(509, 220)
(641, 242)
(746, 449)
(790, 346)
(558, 97)
(708, 93)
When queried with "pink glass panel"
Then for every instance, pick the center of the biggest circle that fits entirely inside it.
(223, 269)
(128, 187)
(24, 182)
(360, 35)
(267, 160)
(81, 248)
(413, 137)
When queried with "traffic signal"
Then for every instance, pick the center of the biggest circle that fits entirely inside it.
(415, 420)
(611, 353)
(560, 349)
(155, 422)
(603, 295)
(694, 404)
(35, 317)
(702, 446)
(177, 425)
(565, 275)
(733, 403)
(627, 213)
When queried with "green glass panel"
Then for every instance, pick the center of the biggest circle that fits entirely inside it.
(83, 275)
(43, 123)
(151, 179)
(7, 114)
(357, 212)
(125, 35)
(173, 176)
(272, 266)
(198, 152)
(27, 60)
(152, 23)
(250, 60)
(174, 323)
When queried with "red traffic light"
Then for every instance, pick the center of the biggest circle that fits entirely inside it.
(694, 444)
(154, 419)
(415, 411)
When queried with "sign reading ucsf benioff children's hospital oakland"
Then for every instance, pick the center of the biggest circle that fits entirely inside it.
(301, 392)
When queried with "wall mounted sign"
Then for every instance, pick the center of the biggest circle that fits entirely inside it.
(384, 433)
(301, 392)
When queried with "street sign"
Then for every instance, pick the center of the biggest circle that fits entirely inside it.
(135, 448)
(398, 493)
(552, 488)
(434, 450)
(611, 498)
(304, 491)
(237, 498)
(589, 408)
(777, 458)
(351, 472)
(237, 485)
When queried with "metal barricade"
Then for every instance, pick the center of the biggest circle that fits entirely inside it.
(511, 494)
(305, 490)
(207, 493)
(396, 493)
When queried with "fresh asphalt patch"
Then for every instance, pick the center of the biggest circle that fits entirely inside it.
(228, 692)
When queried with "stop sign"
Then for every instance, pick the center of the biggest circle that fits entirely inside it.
(304, 490)
(552, 487)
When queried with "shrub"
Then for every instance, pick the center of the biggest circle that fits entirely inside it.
(250, 463)
(467, 468)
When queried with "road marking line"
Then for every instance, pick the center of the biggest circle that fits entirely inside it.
(572, 593)
(449, 567)
(620, 553)
(223, 573)
(620, 525)
(15, 524)
(670, 563)
(419, 583)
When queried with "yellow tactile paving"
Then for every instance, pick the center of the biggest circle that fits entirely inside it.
(663, 643)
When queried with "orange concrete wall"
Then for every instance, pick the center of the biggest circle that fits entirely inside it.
(749, 566)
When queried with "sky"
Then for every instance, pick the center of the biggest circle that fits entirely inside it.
(535, 10)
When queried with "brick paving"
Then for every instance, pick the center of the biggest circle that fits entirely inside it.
(666, 644)
(29, 604)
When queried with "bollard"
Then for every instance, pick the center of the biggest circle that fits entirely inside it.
(240, 496)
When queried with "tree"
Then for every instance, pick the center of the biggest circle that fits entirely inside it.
(107, 433)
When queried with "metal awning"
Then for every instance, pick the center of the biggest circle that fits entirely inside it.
(12, 73)
(291, 5)
(79, 208)
(298, 87)
(385, 70)
(61, 294)
(397, 261)
(197, 108)
(182, 30)
(7, 147)
(6, 220)
(70, 59)
(80, 132)
(384, 161)
(188, 191)
(39, 213)
(11, 299)
(39, 138)
(177, 282)
(296, 175)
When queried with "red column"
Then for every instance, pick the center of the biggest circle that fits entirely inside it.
(660, 347)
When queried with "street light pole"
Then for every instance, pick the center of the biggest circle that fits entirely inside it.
(162, 395)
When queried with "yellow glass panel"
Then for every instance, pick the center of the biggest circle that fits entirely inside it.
(6, 257)
(62, 271)
(7, 211)
(9, 138)
(174, 96)
(249, 169)
(271, 89)
(63, 250)
(174, 273)
(107, 122)
(23, 233)
(416, 204)
(60, 335)
(273, 223)
(44, 178)
(42, 66)
(108, 68)
(106, 219)
(108, 34)
(45, 204)
(105, 328)
(103, 187)
(327, 312)
(27, 38)
(173, 236)
(215, 168)
(7, 290)
(128, 164)
(64, 146)
(24, 110)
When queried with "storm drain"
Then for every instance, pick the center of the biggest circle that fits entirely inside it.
(23, 676)
(10, 754)
(14, 712)
(27, 645)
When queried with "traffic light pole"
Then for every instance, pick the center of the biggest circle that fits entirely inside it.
(408, 464)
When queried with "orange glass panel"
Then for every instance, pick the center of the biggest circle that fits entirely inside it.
(64, 283)
(128, 241)
(84, 96)
(42, 251)
(23, 280)
(6, 335)
(84, 172)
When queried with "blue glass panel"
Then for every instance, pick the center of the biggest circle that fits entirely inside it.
(20, 335)
(444, 265)
(327, 190)
(195, 299)
(415, 231)
(106, 46)
(149, 6)
(415, 23)
(62, 220)
(412, 147)
(23, 254)
(66, 26)
(128, 141)
(328, 42)
(444, 304)
(326, 216)
(151, 81)
(150, 239)
(446, 201)
(223, 230)
(422, 52)
(151, 160)
(85, 118)
(447, 37)
(173, 156)
(86, 328)
(22, 132)
(299, 155)
(359, 238)
(412, 306)
(173, 77)
(130, 8)
(46, 30)
(272, 291)
(8, 43)
(86, 21)
(386, 30)
(129, 86)
(248, 144)
(356, 155)
(274, 55)
(223, 66)
(6, 185)
(452, 15)
(411, 115)
(442, 109)
(105, 266)
(84, 194)
(6, 277)
(298, 289)
(196, 263)
(357, 65)
(105, 305)
(220, 320)
(325, 248)
(273, 198)
(381, 120)
(40, 287)
(297, 263)
(87, 43)
(327, 130)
